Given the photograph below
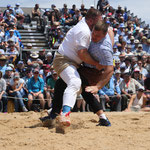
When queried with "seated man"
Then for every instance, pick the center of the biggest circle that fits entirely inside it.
(13, 38)
(110, 94)
(19, 14)
(128, 87)
(36, 89)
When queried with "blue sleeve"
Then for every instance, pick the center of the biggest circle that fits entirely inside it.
(101, 92)
(29, 86)
(41, 85)
(18, 34)
(110, 91)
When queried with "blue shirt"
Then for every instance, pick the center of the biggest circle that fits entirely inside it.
(110, 88)
(101, 52)
(35, 86)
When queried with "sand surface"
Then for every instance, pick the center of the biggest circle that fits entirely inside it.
(24, 131)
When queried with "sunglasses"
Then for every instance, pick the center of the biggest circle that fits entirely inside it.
(141, 90)
(36, 72)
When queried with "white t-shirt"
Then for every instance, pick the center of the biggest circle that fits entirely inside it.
(77, 38)
(19, 82)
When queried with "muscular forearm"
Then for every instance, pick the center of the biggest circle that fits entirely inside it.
(85, 57)
(108, 72)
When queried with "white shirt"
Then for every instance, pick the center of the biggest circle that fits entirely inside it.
(18, 84)
(77, 38)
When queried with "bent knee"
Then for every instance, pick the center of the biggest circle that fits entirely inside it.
(75, 83)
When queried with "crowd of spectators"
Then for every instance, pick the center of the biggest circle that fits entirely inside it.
(33, 78)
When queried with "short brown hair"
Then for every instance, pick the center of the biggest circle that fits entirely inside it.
(92, 14)
(101, 26)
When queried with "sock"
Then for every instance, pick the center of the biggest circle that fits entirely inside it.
(103, 116)
(66, 109)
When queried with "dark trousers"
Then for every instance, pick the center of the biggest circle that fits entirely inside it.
(60, 86)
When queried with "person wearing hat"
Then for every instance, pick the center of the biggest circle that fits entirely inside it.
(35, 88)
(116, 35)
(136, 34)
(51, 80)
(3, 64)
(128, 87)
(49, 59)
(8, 75)
(138, 76)
(19, 14)
(34, 61)
(21, 68)
(121, 29)
(116, 53)
(139, 51)
(13, 38)
(3, 98)
(117, 77)
(128, 50)
(132, 43)
(137, 101)
(12, 53)
(15, 89)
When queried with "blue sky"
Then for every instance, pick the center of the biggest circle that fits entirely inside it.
(138, 7)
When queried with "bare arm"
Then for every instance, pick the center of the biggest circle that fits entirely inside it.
(131, 102)
(111, 35)
(85, 57)
(108, 72)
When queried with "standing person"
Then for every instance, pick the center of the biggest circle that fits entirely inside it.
(101, 50)
(71, 53)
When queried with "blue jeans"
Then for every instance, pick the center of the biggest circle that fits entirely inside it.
(4, 100)
(18, 101)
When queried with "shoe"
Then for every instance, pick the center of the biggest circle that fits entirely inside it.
(24, 109)
(104, 122)
(63, 120)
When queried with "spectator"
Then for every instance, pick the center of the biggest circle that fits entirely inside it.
(77, 17)
(128, 87)
(128, 50)
(36, 89)
(137, 101)
(28, 75)
(116, 53)
(15, 90)
(117, 64)
(19, 14)
(13, 38)
(3, 92)
(3, 65)
(51, 84)
(110, 93)
(34, 61)
(117, 77)
(83, 10)
(138, 76)
(139, 51)
(72, 10)
(143, 71)
(12, 53)
(103, 5)
(8, 75)
(36, 12)
(48, 59)
(21, 68)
